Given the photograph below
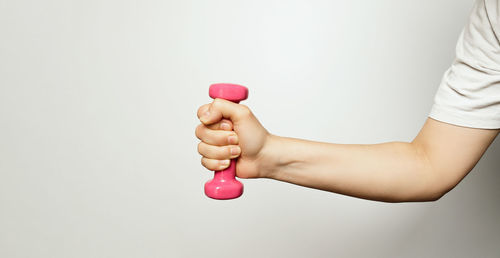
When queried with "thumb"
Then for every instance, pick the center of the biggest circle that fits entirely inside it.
(221, 108)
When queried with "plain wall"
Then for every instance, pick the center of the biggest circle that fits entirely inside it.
(98, 105)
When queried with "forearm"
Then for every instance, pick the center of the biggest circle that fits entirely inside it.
(392, 172)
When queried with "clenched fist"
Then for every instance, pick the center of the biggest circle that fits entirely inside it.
(229, 130)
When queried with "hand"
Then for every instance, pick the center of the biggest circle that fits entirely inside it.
(219, 142)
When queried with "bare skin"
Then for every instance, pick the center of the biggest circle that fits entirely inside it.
(439, 157)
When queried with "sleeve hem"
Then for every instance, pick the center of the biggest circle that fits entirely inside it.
(463, 118)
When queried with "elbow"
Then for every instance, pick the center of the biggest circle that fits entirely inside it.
(440, 191)
(439, 184)
(434, 197)
(420, 197)
(432, 186)
(429, 195)
(435, 180)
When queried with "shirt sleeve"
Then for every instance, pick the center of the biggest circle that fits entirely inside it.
(469, 93)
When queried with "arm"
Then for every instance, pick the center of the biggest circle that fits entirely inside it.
(422, 170)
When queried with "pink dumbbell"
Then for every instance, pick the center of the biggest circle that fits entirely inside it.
(224, 184)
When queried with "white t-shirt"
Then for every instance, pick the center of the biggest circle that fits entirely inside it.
(469, 93)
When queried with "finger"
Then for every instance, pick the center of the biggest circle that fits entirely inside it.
(203, 110)
(219, 152)
(223, 124)
(215, 137)
(221, 108)
(215, 164)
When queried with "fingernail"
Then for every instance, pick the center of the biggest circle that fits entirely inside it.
(235, 150)
(225, 126)
(224, 162)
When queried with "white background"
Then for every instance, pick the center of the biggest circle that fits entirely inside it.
(98, 105)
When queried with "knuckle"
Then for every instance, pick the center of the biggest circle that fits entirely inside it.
(200, 148)
(245, 111)
(205, 163)
(200, 111)
(198, 131)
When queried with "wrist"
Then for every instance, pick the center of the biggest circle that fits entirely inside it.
(271, 160)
